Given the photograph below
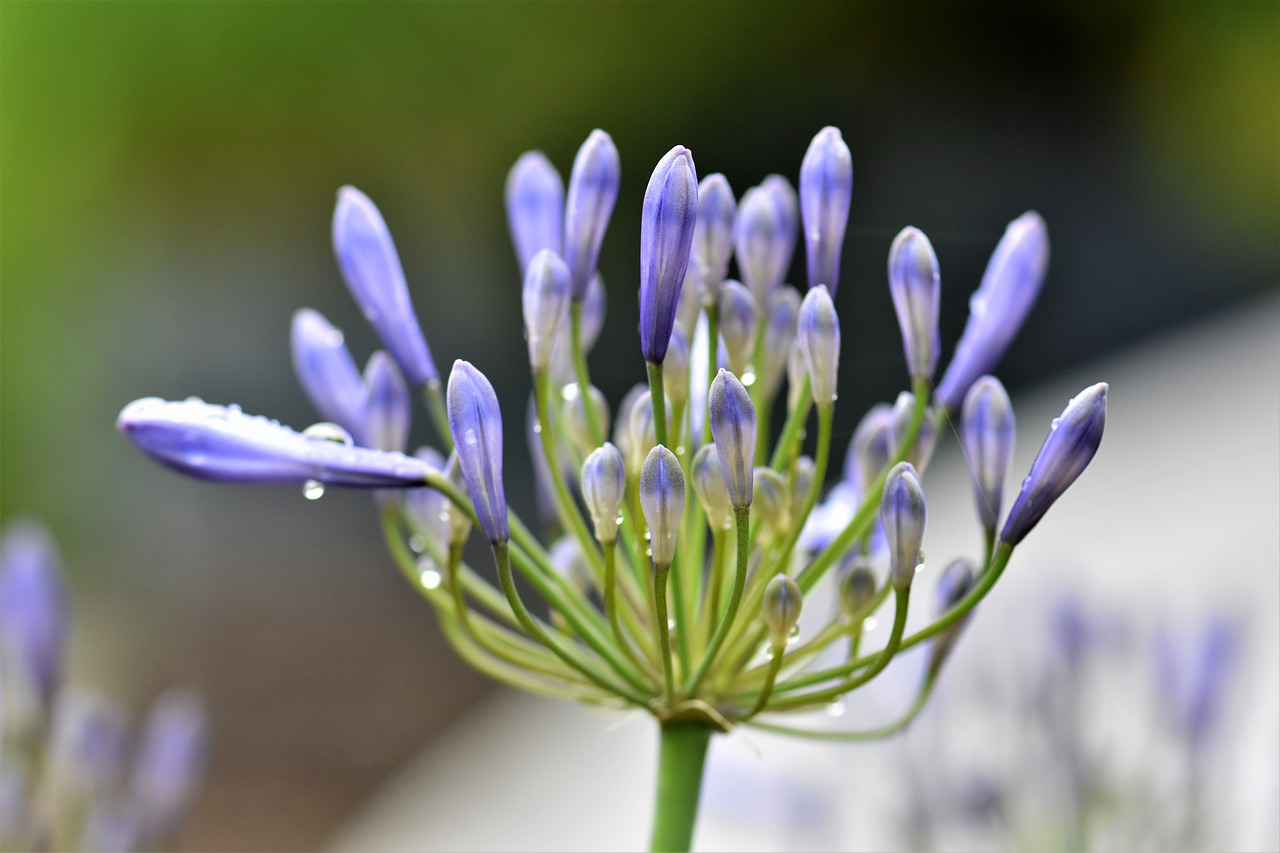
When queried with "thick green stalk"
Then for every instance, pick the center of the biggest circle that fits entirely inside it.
(681, 757)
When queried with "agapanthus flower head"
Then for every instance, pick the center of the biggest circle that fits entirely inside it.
(387, 410)
(34, 619)
(902, 512)
(987, 433)
(535, 206)
(476, 423)
(662, 500)
(915, 287)
(733, 429)
(327, 372)
(999, 306)
(222, 443)
(826, 188)
(593, 190)
(818, 333)
(604, 487)
(667, 223)
(546, 294)
(1073, 440)
(739, 319)
(376, 280)
(780, 608)
(713, 235)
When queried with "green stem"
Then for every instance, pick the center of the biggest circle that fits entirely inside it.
(742, 517)
(662, 632)
(775, 664)
(869, 734)
(791, 430)
(580, 368)
(566, 509)
(659, 398)
(713, 340)
(439, 412)
(681, 757)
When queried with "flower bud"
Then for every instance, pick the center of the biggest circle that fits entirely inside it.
(733, 429)
(593, 308)
(387, 412)
(955, 583)
(818, 332)
(675, 369)
(170, 762)
(622, 429)
(546, 305)
(797, 372)
(593, 190)
(375, 278)
(576, 427)
(780, 609)
(690, 306)
(788, 205)
(666, 238)
(998, 307)
(221, 443)
(568, 561)
(779, 334)
(326, 371)
(34, 619)
(708, 484)
(762, 242)
(662, 500)
(857, 589)
(987, 432)
(926, 440)
(826, 186)
(476, 423)
(713, 235)
(871, 448)
(1073, 440)
(739, 319)
(801, 480)
(535, 206)
(902, 511)
(428, 509)
(644, 435)
(916, 292)
(772, 500)
(604, 487)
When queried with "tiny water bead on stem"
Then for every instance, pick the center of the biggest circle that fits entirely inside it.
(685, 608)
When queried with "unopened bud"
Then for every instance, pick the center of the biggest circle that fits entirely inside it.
(780, 609)
(818, 333)
(709, 485)
(739, 319)
(662, 499)
(733, 429)
(604, 487)
(902, 512)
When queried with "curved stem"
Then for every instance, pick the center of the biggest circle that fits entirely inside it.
(775, 664)
(681, 757)
(611, 605)
(742, 518)
(566, 509)
(893, 728)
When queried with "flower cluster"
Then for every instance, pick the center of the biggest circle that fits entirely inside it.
(685, 605)
(69, 777)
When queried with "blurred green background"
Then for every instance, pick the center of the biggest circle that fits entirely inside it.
(167, 173)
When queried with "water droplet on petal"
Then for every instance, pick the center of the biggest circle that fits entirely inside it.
(417, 543)
(313, 490)
(469, 437)
(325, 431)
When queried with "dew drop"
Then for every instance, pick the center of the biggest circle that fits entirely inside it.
(335, 338)
(671, 624)
(768, 652)
(313, 490)
(619, 521)
(869, 624)
(469, 437)
(748, 378)
(836, 708)
(569, 392)
(537, 429)
(417, 543)
(194, 400)
(428, 575)
(444, 515)
(325, 431)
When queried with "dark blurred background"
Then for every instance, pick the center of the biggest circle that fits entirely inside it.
(168, 172)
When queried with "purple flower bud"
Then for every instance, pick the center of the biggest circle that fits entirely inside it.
(476, 424)
(771, 499)
(999, 305)
(902, 511)
(34, 617)
(429, 509)
(375, 278)
(733, 428)
(1192, 678)
(826, 187)
(327, 372)
(780, 608)
(666, 237)
(818, 333)
(169, 764)
(762, 242)
(1073, 439)
(622, 428)
(568, 561)
(88, 747)
(955, 583)
(801, 481)
(857, 589)
(987, 431)
(593, 190)
(713, 235)
(604, 487)
(535, 206)
(387, 412)
(926, 440)
(546, 305)
(675, 368)
(871, 448)
(709, 485)
(662, 499)
(916, 292)
(220, 443)
(739, 319)
(788, 204)
(644, 434)
(779, 334)
(576, 427)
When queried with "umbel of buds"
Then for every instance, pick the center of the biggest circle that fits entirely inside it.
(685, 608)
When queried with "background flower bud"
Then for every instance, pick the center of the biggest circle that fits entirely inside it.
(772, 501)
(709, 485)
(644, 435)
(818, 333)
(662, 500)
(546, 305)
(34, 622)
(779, 334)
(761, 241)
(956, 581)
(739, 319)
(926, 440)
(780, 608)
(871, 447)
(916, 291)
(987, 433)
(534, 197)
(902, 512)
(857, 589)
(666, 237)
(593, 190)
(566, 557)
(387, 410)
(788, 205)
(326, 371)
(713, 234)
(733, 429)
(170, 763)
(428, 509)
(604, 487)
(622, 429)
(826, 187)
(801, 479)
(576, 427)
(675, 369)
(476, 423)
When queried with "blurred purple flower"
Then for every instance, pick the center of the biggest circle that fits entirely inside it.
(534, 197)
(327, 372)
(826, 189)
(34, 616)
(593, 190)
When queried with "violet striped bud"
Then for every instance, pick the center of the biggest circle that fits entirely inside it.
(871, 448)
(221, 443)
(987, 433)
(427, 509)
(998, 307)
(797, 373)
(801, 480)
(662, 500)
(788, 204)
(593, 190)
(375, 278)
(622, 428)
(388, 409)
(857, 589)
(576, 426)
(818, 332)
(739, 319)
(546, 306)
(826, 187)
(644, 434)
(916, 291)
(326, 371)
(675, 368)
(1073, 440)
(926, 440)
(761, 241)
(604, 487)
(34, 622)
(709, 486)
(780, 609)
(957, 579)
(902, 512)
(779, 334)
(169, 765)
(713, 235)
(771, 498)
(666, 238)
(476, 424)
(733, 429)
(534, 197)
